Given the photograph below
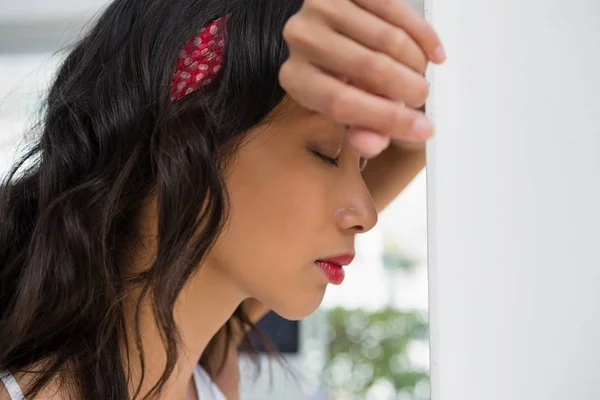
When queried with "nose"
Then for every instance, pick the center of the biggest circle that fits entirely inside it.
(358, 213)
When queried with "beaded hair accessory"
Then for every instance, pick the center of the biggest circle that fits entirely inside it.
(199, 60)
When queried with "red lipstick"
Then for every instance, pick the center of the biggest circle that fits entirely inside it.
(332, 267)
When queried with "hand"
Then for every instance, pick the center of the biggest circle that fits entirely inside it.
(362, 63)
(409, 146)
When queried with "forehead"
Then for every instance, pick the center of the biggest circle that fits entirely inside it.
(289, 108)
(289, 114)
(290, 124)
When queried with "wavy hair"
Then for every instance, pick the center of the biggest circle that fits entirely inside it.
(109, 137)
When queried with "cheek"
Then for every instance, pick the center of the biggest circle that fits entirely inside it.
(281, 212)
(277, 220)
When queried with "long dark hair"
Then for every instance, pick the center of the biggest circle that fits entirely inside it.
(110, 136)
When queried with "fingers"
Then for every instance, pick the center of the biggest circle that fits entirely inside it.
(362, 62)
(368, 143)
(373, 71)
(377, 34)
(349, 105)
(399, 13)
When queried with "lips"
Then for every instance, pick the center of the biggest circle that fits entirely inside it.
(341, 260)
(332, 267)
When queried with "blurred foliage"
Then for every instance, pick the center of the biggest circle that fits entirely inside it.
(368, 347)
(395, 258)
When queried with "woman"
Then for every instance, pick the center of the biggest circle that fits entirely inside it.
(193, 170)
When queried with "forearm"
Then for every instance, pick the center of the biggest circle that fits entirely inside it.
(389, 173)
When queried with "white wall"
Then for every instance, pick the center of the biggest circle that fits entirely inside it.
(514, 207)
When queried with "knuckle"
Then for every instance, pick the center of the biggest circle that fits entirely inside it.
(285, 74)
(318, 6)
(322, 7)
(379, 70)
(289, 27)
(421, 93)
(368, 64)
(393, 40)
(288, 75)
(388, 4)
(399, 44)
(422, 67)
(298, 35)
(311, 4)
(293, 31)
(390, 118)
(373, 65)
(425, 31)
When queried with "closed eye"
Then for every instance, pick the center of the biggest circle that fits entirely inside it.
(325, 159)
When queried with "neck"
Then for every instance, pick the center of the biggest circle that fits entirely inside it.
(201, 309)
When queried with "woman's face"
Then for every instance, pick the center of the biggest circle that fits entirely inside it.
(289, 208)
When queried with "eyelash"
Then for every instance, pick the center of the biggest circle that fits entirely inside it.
(334, 161)
(325, 159)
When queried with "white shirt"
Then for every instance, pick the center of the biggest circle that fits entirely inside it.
(205, 387)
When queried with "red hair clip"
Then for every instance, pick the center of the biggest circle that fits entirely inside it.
(199, 60)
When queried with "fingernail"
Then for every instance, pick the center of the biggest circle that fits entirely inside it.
(439, 55)
(422, 128)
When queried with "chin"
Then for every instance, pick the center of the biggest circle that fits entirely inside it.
(295, 309)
